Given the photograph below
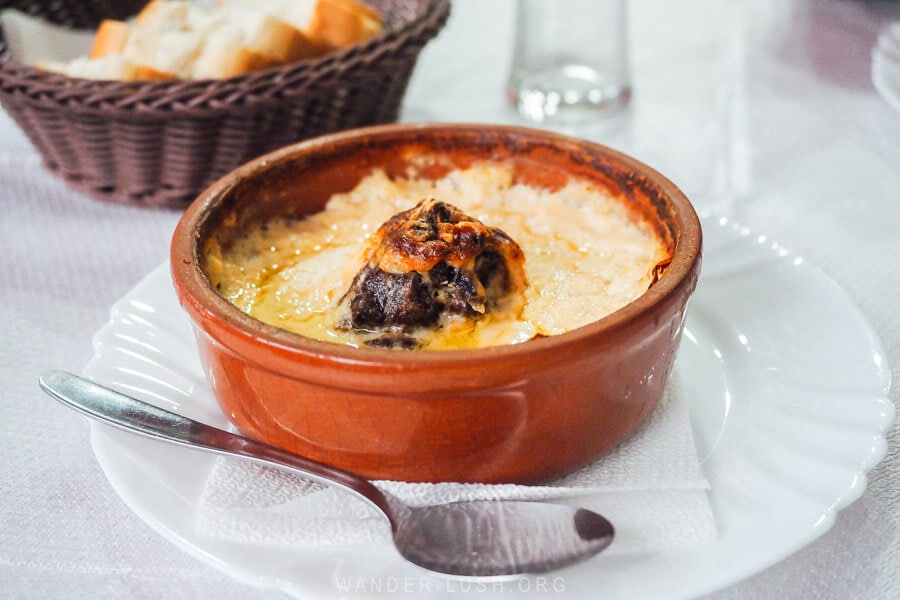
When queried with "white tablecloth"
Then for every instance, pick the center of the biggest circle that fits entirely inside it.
(763, 110)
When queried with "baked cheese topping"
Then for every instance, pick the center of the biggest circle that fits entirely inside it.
(585, 256)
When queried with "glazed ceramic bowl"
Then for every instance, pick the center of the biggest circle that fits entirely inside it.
(522, 413)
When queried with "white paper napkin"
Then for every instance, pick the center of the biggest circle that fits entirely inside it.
(651, 488)
(32, 40)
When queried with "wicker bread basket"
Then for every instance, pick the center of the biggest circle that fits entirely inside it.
(160, 143)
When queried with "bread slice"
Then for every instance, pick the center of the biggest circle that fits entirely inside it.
(160, 37)
(225, 55)
(109, 68)
(342, 23)
(110, 38)
(167, 15)
(272, 37)
(171, 51)
(262, 32)
(189, 40)
(227, 41)
(296, 13)
(331, 23)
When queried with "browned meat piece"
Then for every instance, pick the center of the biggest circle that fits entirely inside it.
(429, 263)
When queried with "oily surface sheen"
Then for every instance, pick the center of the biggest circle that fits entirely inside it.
(585, 256)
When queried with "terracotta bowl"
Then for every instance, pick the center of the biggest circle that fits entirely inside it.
(520, 413)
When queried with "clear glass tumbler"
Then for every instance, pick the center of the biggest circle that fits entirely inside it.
(570, 61)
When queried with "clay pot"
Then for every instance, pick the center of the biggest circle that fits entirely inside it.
(520, 413)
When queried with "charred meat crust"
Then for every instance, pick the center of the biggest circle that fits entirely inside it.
(428, 262)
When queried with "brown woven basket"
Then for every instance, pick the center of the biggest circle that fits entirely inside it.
(160, 143)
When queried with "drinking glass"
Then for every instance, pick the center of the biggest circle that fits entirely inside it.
(570, 60)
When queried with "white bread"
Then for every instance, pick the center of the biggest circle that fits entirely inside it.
(278, 40)
(224, 54)
(333, 23)
(297, 13)
(188, 40)
(163, 15)
(110, 68)
(248, 26)
(343, 23)
(110, 38)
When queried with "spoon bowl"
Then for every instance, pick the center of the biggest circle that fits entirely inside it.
(477, 538)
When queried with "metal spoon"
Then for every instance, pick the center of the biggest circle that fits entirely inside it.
(466, 538)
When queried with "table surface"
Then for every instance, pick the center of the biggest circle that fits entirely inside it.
(762, 110)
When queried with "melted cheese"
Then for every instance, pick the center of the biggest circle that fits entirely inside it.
(585, 256)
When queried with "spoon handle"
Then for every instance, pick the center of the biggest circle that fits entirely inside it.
(122, 411)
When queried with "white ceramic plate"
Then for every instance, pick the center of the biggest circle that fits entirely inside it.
(788, 390)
